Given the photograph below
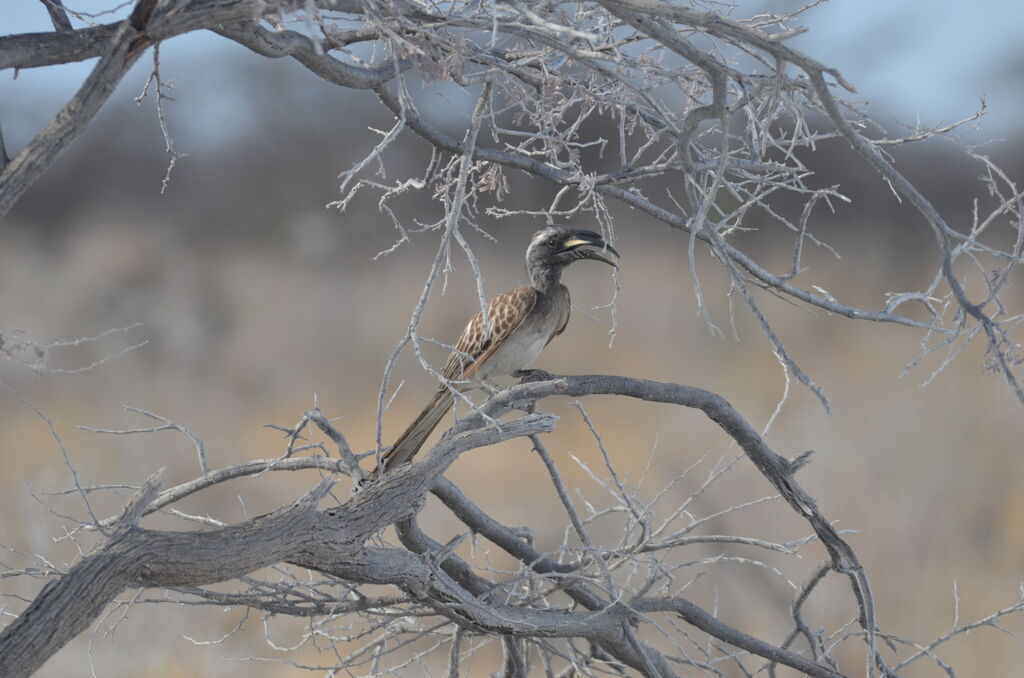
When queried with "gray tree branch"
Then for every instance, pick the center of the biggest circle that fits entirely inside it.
(333, 542)
(330, 541)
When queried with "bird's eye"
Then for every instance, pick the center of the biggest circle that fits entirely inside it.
(552, 244)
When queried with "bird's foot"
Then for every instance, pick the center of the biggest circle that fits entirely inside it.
(528, 376)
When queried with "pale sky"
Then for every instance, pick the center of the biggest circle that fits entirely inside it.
(927, 60)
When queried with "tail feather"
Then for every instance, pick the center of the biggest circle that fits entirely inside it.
(410, 442)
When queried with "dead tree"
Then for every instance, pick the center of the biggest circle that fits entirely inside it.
(713, 116)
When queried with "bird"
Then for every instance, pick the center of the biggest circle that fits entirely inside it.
(520, 323)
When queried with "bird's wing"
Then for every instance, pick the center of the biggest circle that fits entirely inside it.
(505, 313)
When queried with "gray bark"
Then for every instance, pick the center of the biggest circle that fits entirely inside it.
(333, 541)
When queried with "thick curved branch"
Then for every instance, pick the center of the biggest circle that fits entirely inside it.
(277, 44)
(474, 517)
(32, 50)
(141, 558)
(58, 15)
(147, 24)
(34, 159)
(333, 542)
(329, 541)
(120, 44)
(637, 655)
(695, 616)
(779, 471)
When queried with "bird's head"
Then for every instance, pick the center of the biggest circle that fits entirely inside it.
(555, 247)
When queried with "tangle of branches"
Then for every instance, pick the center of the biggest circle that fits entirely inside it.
(713, 115)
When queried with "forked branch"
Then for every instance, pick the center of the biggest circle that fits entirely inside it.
(333, 541)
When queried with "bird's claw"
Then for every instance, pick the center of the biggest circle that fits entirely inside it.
(528, 376)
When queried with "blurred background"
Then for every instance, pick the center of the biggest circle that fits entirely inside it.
(254, 299)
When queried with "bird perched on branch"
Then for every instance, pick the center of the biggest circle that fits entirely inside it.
(519, 325)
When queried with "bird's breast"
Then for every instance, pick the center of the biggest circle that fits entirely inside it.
(527, 341)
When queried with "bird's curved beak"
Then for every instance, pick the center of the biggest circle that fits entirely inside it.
(584, 244)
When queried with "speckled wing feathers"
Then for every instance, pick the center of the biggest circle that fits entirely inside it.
(505, 313)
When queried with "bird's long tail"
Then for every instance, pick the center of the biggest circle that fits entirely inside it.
(410, 442)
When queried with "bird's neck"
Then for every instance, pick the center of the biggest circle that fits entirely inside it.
(545, 280)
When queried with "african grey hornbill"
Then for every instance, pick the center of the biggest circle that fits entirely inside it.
(521, 323)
